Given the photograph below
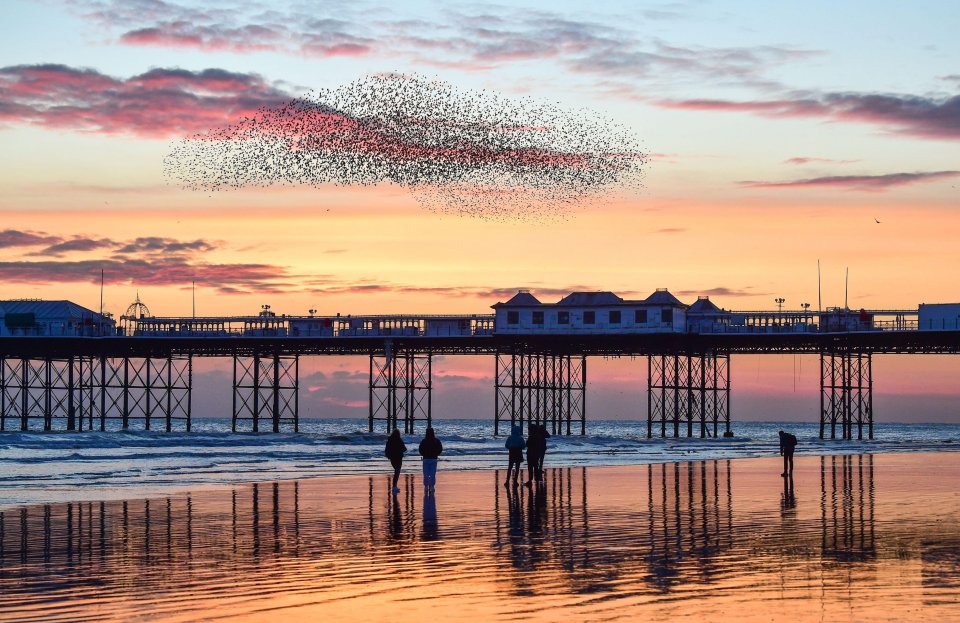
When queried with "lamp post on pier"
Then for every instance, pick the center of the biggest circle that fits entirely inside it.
(780, 301)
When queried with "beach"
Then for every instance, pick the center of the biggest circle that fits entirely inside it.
(859, 537)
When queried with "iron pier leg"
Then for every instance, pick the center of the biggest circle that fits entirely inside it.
(370, 402)
(233, 423)
(870, 403)
(189, 392)
(126, 393)
(256, 393)
(496, 394)
(168, 415)
(25, 394)
(429, 390)
(71, 414)
(276, 393)
(296, 394)
(583, 397)
(513, 390)
(823, 411)
(148, 390)
(650, 397)
(3, 394)
(47, 395)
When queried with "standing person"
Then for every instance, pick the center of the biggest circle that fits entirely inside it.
(515, 444)
(538, 466)
(787, 443)
(430, 449)
(394, 451)
(536, 449)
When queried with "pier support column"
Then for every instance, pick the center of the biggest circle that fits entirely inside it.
(688, 395)
(401, 389)
(846, 393)
(542, 389)
(266, 387)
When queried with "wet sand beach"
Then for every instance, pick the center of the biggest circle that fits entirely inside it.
(858, 537)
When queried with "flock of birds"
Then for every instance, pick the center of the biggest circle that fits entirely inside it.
(458, 152)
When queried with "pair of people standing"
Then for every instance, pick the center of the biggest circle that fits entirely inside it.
(536, 447)
(430, 450)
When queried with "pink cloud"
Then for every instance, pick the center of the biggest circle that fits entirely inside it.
(156, 104)
(921, 117)
(722, 291)
(865, 183)
(801, 160)
(341, 402)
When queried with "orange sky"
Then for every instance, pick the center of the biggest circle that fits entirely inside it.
(773, 143)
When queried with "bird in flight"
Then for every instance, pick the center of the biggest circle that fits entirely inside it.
(876, 219)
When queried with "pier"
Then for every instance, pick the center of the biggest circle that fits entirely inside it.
(139, 376)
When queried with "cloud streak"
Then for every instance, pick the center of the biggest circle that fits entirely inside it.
(802, 160)
(863, 183)
(470, 39)
(227, 278)
(150, 260)
(722, 291)
(12, 238)
(935, 118)
(157, 104)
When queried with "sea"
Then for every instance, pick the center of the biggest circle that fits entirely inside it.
(60, 467)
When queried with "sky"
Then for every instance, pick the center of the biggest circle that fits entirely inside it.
(777, 136)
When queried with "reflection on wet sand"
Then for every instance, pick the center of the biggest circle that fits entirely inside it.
(847, 507)
(688, 522)
(695, 537)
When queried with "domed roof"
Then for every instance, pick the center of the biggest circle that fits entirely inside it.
(137, 309)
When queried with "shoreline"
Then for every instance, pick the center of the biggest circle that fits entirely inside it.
(411, 470)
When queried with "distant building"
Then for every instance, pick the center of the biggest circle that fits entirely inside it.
(52, 318)
(591, 312)
(705, 317)
(939, 317)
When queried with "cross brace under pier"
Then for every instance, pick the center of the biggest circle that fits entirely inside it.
(846, 393)
(401, 390)
(688, 394)
(266, 393)
(96, 393)
(542, 389)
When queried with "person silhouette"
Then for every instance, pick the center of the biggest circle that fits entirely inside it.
(536, 450)
(515, 445)
(394, 451)
(430, 449)
(787, 443)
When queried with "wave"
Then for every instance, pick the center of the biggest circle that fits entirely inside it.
(42, 466)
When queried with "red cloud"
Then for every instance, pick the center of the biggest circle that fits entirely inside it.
(866, 183)
(922, 117)
(156, 104)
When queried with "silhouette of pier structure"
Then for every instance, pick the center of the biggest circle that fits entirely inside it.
(144, 379)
